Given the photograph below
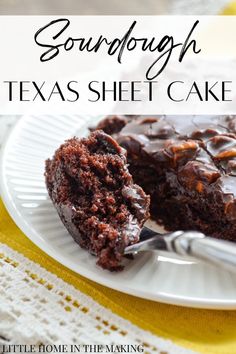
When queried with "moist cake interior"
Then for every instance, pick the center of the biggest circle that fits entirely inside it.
(94, 194)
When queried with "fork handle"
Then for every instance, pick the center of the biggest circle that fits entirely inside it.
(219, 252)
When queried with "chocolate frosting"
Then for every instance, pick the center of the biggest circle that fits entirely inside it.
(200, 149)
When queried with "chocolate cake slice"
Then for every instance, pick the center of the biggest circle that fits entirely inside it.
(94, 194)
(187, 164)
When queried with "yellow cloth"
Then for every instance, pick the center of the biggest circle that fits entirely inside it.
(230, 9)
(205, 331)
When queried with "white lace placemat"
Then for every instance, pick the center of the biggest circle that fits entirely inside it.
(36, 307)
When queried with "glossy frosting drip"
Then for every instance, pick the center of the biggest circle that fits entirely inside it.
(209, 139)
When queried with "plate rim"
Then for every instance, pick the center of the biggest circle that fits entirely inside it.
(193, 302)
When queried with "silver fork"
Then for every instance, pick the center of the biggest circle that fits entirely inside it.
(188, 243)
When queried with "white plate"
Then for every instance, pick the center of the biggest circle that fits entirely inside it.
(163, 278)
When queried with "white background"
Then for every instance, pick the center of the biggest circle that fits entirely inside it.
(20, 61)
